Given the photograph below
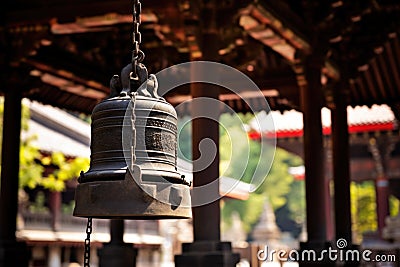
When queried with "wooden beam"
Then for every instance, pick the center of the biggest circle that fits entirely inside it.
(370, 86)
(68, 11)
(392, 63)
(353, 91)
(67, 76)
(382, 65)
(378, 78)
(360, 84)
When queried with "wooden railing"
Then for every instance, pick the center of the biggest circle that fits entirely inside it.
(45, 221)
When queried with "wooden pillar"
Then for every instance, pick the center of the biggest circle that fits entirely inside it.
(311, 96)
(381, 148)
(382, 201)
(341, 169)
(205, 126)
(12, 253)
(328, 210)
(10, 165)
(341, 165)
(117, 253)
(55, 208)
(117, 228)
(311, 103)
(207, 249)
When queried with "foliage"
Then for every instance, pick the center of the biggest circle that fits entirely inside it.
(65, 169)
(278, 187)
(39, 205)
(239, 158)
(249, 210)
(68, 208)
(394, 205)
(296, 201)
(30, 172)
(38, 169)
(363, 207)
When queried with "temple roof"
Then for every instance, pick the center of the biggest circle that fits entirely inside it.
(54, 130)
(64, 53)
(290, 123)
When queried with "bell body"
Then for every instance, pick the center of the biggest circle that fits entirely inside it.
(132, 172)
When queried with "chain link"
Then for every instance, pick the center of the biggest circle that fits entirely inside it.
(137, 54)
(86, 262)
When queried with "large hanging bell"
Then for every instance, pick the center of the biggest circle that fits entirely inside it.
(133, 172)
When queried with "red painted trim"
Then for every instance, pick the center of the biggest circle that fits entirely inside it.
(286, 134)
(377, 127)
(388, 126)
(299, 177)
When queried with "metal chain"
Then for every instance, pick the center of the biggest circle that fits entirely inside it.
(86, 262)
(137, 54)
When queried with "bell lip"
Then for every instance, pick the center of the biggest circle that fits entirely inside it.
(127, 200)
(93, 175)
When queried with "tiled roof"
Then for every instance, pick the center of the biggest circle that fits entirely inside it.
(290, 123)
(55, 130)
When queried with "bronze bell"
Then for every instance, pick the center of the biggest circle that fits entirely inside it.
(133, 172)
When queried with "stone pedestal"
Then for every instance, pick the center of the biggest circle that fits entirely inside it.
(14, 254)
(121, 255)
(207, 253)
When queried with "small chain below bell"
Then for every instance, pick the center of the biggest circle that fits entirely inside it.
(133, 172)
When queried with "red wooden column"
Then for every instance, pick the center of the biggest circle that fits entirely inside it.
(207, 249)
(117, 252)
(341, 165)
(314, 158)
(12, 253)
(206, 219)
(309, 80)
(329, 209)
(341, 168)
(55, 208)
(380, 148)
(382, 201)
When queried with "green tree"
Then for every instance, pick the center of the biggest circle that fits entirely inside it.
(277, 184)
(65, 169)
(296, 202)
(249, 211)
(239, 158)
(33, 162)
(363, 208)
(394, 206)
(279, 188)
